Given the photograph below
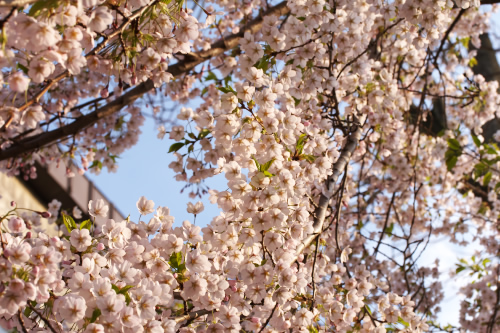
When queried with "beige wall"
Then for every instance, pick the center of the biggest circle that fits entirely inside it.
(11, 189)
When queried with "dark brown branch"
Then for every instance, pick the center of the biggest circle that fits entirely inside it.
(312, 273)
(445, 37)
(268, 319)
(190, 61)
(191, 315)
(324, 200)
(45, 320)
(385, 224)
(21, 321)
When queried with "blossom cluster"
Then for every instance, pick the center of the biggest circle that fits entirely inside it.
(288, 95)
(145, 277)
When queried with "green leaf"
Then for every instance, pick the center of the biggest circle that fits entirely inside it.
(389, 229)
(459, 269)
(454, 144)
(402, 322)
(302, 139)
(39, 6)
(96, 164)
(476, 141)
(267, 174)
(226, 90)
(491, 150)
(487, 178)
(263, 63)
(297, 101)
(27, 312)
(465, 42)
(211, 76)
(312, 329)
(176, 146)
(266, 166)
(299, 148)
(95, 315)
(69, 222)
(175, 260)
(262, 263)
(485, 261)
(86, 224)
(256, 163)
(127, 298)
(115, 288)
(480, 169)
(289, 62)
(124, 290)
(148, 37)
(451, 162)
(203, 134)
(23, 68)
(472, 62)
(309, 158)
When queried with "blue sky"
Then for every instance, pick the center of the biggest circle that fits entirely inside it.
(143, 170)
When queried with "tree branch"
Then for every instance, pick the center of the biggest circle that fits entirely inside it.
(320, 212)
(45, 320)
(269, 318)
(21, 321)
(445, 37)
(190, 61)
(191, 315)
(385, 224)
(94, 51)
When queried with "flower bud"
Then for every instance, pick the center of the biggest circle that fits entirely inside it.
(45, 215)
(100, 247)
(104, 93)
(16, 224)
(12, 203)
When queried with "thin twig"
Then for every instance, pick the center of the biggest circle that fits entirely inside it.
(45, 320)
(268, 319)
(21, 321)
(312, 274)
(385, 224)
(445, 37)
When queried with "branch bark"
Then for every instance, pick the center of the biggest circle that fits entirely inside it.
(190, 61)
(324, 200)
(191, 315)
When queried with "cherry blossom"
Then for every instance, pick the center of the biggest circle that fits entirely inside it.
(347, 136)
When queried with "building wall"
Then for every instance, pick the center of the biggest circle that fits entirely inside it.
(11, 189)
(52, 183)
